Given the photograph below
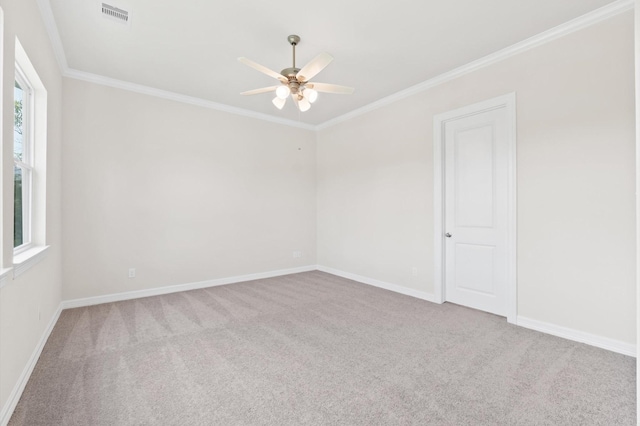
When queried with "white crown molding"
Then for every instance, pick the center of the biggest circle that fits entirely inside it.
(16, 392)
(578, 336)
(591, 18)
(380, 284)
(172, 96)
(157, 291)
(569, 27)
(54, 34)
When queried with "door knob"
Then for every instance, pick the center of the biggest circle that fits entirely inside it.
(448, 235)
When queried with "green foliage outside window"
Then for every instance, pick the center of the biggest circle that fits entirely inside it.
(17, 208)
(18, 239)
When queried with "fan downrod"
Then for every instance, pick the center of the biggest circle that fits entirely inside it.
(291, 73)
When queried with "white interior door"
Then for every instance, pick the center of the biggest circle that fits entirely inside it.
(476, 208)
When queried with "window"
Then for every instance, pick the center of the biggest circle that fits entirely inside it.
(29, 165)
(23, 161)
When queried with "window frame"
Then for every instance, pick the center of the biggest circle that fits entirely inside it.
(26, 165)
(29, 254)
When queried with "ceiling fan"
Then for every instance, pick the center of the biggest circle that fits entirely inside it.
(296, 81)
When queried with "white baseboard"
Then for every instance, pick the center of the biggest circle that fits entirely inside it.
(16, 393)
(578, 336)
(381, 284)
(555, 330)
(108, 298)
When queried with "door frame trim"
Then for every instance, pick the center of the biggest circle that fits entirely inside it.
(507, 101)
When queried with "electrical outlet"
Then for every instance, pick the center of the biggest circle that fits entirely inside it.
(297, 254)
(414, 271)
(132, 272)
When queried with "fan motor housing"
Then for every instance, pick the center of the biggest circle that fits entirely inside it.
(290, 73)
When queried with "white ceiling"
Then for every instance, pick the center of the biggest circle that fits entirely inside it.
(191, 47)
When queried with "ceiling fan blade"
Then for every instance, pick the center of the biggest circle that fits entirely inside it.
(262, 90)
(263, 69)
(316, 65)
(330, 88)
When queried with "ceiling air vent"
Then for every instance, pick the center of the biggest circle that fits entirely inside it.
(114, 13)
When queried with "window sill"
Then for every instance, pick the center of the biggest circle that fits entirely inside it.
(24, 261)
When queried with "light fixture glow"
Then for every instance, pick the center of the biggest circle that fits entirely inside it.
(311, 94)
(282, 92)
(303, 104)
(279, 102)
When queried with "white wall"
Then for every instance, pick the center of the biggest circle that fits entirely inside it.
(28, 303)
(575, 164)
(182, 193)
(637, 80)
(186, 194)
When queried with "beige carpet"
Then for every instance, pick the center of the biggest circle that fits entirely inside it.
(315, 349)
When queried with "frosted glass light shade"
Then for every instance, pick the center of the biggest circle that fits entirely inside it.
(282, 92)
(279, 102)
(311, 94)
(304, 104)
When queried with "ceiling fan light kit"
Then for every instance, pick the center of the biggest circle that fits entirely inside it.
(279, 102)
(311, 94)
(283, 92)
(296, 81)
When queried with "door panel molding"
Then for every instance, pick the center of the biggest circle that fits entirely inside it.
(508, 102)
